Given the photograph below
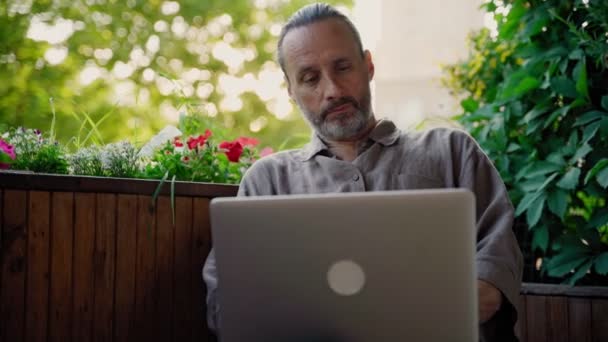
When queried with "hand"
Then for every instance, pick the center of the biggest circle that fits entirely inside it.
(490, 299)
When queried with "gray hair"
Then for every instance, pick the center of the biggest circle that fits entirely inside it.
(311, 14)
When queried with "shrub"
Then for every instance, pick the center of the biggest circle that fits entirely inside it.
(535, 96)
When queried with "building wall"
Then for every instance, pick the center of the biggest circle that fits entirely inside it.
(409, 41)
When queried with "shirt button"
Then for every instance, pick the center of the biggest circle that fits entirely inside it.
(355, 178)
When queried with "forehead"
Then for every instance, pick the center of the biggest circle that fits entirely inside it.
(318, 42)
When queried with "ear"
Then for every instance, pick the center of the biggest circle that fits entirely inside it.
(288, 86)
(369, 64)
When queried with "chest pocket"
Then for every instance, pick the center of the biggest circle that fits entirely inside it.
(414, 181)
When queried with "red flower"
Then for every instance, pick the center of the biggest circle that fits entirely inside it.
(200, 141)
(246, 141)
(233, 150)
(177, 142)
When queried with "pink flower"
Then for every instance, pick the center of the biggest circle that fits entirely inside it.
(266, 151)
(246, 141)
(185, 159)
(7, 149)
(200, 141)
(233, 150)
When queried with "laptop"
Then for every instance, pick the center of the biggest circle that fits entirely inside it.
(347, 267)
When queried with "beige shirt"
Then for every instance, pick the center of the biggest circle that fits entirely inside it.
(392, 160)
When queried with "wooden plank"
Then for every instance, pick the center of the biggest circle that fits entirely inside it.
(564, 290)
(47, 182)
(201, 244)
(14, 246)
(84, 240)
(521, 324)
(557, 320)
(182, 319)
(145, 273)
(62, 229)
(104, 267)
(579, 319)
(126, 243)
(536, 312)
(165, 267)
(37, 291)
(599, 320)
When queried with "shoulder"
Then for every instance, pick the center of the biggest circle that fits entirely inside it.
(440, 139)
(262, 176)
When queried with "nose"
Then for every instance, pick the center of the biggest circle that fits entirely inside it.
(333, 89)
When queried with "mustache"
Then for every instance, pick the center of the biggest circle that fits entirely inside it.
(339, 102)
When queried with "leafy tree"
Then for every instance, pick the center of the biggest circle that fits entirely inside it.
(535, 96)
(113, 67)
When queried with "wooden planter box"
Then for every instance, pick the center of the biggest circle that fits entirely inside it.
(85, 259)
(562, 313)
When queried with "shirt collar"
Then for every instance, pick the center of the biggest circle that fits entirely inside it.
(385, 133)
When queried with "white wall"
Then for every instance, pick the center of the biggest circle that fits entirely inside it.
(409, 40)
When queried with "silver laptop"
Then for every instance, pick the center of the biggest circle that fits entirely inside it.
(374, 266)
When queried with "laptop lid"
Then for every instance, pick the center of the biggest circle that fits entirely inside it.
(373, 266)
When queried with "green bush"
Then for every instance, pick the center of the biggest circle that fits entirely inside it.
(535, 96)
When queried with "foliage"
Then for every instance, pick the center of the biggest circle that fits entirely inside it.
(120, 159)
(201, 159)
(198, 159)
(535, 96)
(135, 65)
(36, 153)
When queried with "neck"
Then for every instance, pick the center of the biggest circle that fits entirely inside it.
(348, 150)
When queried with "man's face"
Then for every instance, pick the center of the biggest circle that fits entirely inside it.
(329, 79)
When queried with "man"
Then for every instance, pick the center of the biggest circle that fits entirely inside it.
(328, 75)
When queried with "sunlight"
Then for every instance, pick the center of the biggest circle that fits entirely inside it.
(39, 30)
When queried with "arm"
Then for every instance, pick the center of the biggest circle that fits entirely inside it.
(252, 184)
(499, 260)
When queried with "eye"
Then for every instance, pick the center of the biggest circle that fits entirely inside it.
(310, 78)
(343, 66)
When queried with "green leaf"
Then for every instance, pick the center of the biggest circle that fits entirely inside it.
(534, 113)
(532, 185)
(605, 102)
(540, 239)
(535, 210)
(580, 75)
(559, 269)
(5, 158)
(581, 152)
(589, 117)
(590, 131)
(559, 112)
(576, 54)
(526, 202)
(602, 178)
(570, 179)
(600, 165)
(469, 105)
(601, 264)
(580, 272)
(599, 219)
(525, 86)
(542, 168)
(513, 147)
(557, 202)
(564, 86)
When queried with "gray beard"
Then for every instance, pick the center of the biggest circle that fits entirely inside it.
(342, 129)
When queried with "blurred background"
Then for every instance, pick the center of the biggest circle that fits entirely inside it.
(126, 69)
